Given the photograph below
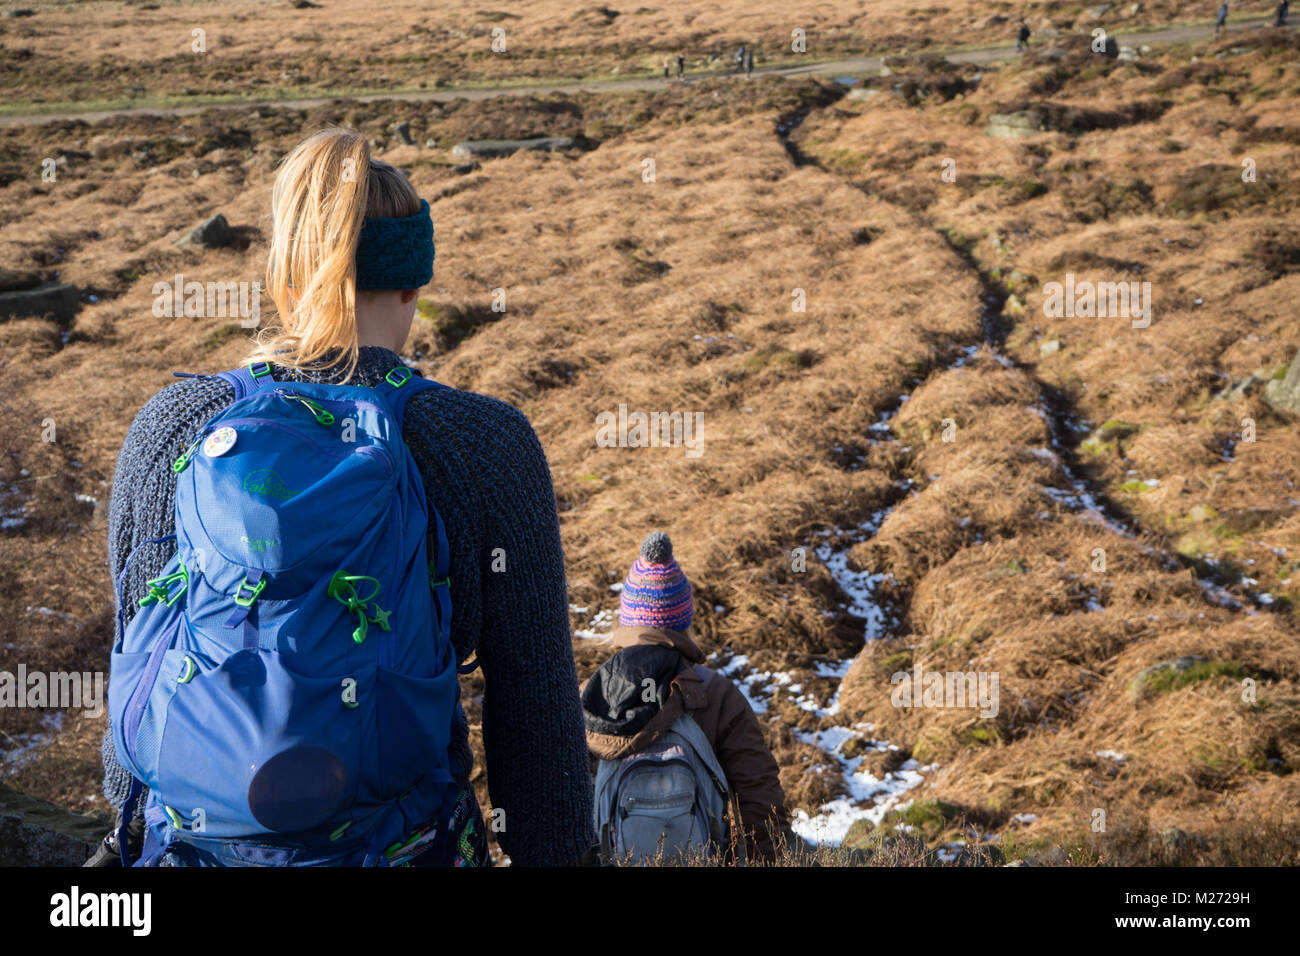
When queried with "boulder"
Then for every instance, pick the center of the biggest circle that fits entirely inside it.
(1140, 685)
(1284, 393)
(863, 93)
(1016, 125)
(1097, 12)
(55, 299)
(209, 234)
(36, 833)
(494, 148)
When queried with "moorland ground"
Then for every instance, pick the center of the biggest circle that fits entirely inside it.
(926, 430)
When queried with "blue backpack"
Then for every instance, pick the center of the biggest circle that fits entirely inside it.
(286, 690)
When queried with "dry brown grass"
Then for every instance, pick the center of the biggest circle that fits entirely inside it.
(676, 295)
(74, 50)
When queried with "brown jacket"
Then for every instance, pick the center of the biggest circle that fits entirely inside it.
(728, 722)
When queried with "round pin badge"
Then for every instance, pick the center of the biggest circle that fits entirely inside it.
(219, 442)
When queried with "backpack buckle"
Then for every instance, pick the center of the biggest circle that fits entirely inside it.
(254, 591)
(256, 372)
(160, 588)
(402, 373)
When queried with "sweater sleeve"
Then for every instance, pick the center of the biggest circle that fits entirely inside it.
(533, 735)
(141, 508)
(751, 771)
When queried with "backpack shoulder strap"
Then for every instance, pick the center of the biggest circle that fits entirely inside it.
(247, 379)
(686, 728)
(397, 388)
(399, 385)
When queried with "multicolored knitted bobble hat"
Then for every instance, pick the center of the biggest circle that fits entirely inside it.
(656, 593)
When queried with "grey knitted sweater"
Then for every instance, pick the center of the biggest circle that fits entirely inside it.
(485, 471)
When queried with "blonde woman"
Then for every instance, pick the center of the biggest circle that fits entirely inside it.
(352, 243)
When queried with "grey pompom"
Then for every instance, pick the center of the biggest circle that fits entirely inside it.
(657, 548)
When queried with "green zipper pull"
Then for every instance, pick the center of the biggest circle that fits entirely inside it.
(187, 455)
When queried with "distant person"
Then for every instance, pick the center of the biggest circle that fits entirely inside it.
(1022, 36)
(304, 659)
(1221, 20)
(679, 744)
(749, 61)
(1282, 8)
(681, 65)
(740, 59)
(665, 69)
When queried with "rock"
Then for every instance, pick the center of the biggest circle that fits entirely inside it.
(1105, 439)
(1134, 9)
(1140, 686)
(1097, 12)
(403, 131)
(430, 144)
(22, 12)
(1055, 54)
(304, 5)
(36, 833)
(863, 93)
(493, 148)
(58, 300)
(1127, 54)
(209, 234)
(1049, 33)
(465, 168)
(1284, 393)
(1050, 347)
(1015, 125)
(1202, 513)
(996, 19)
(12, 281)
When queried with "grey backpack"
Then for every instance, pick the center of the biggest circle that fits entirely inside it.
(668, 799)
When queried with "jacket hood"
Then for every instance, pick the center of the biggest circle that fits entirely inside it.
(623, 713)
(680, 641)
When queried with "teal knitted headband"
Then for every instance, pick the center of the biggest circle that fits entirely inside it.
(396, 253)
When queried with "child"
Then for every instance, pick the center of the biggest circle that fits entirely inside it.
(654, 709)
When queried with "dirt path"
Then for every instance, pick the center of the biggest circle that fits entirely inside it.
(1175, 34)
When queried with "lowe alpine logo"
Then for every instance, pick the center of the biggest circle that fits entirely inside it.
(268, 484)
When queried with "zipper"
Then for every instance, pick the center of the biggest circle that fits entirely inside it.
(281, 427)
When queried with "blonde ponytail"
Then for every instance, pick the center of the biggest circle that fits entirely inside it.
(324, 191)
